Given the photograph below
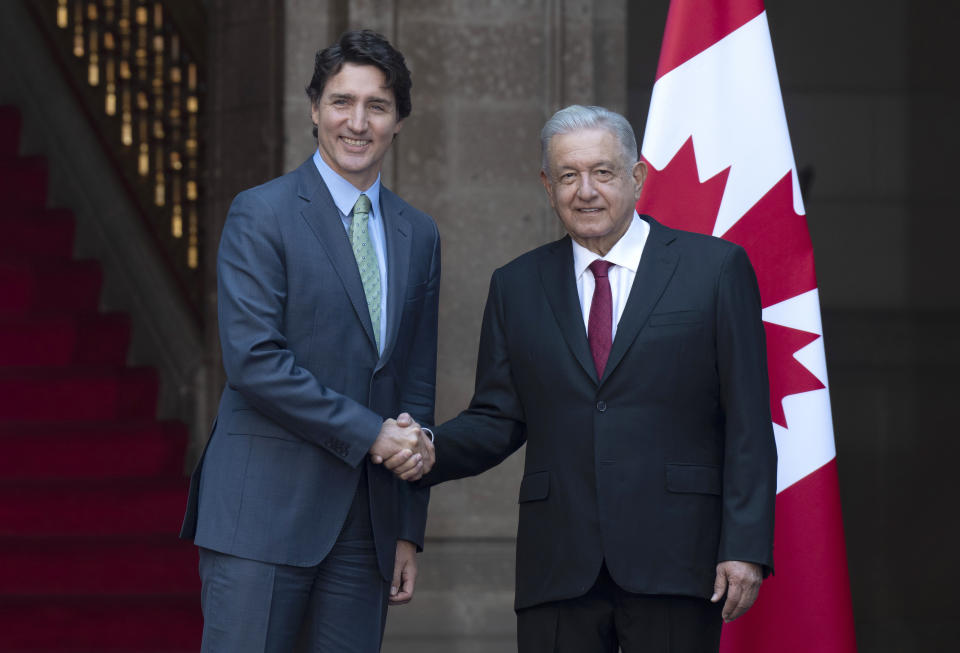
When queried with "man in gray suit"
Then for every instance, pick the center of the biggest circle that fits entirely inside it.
(327, 293)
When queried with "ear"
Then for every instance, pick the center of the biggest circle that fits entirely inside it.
(315, 112)
(547, 187)
(396, 128)
(639, 173)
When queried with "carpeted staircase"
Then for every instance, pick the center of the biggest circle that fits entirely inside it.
(91, 484)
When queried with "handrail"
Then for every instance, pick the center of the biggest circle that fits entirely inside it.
(141, 81)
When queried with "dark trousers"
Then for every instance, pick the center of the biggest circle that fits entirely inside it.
(338, 606)
(607, 619)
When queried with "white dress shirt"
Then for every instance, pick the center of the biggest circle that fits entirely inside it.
(625, 256)
(345, 195)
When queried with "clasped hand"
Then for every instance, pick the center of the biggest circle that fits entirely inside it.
(403, 448)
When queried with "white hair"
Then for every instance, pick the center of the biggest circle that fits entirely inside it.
(577, 117)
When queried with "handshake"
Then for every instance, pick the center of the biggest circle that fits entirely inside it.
(403, 448)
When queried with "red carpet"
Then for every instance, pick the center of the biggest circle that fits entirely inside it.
(91, 484)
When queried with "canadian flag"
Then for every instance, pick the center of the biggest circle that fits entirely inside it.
(720, 162)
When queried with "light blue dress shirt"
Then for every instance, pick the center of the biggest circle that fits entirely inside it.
(345, 195)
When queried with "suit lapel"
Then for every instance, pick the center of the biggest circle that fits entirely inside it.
(656, 268)
(559, 284)
(397, 230)
(323, 218)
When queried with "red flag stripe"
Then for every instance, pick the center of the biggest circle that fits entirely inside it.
(701, 24)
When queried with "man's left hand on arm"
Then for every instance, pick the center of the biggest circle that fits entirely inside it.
(740, 581)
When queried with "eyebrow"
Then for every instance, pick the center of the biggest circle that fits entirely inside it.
(600, 164)
(350, 96)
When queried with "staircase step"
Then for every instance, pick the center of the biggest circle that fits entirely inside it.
(9, 131)
(115, 507)
(37, 233)
(28, 286)
(95, 450)
(91, 486)
(64, 339)
(77, 393)
(170, 623)
(97, 565)
(23, 182)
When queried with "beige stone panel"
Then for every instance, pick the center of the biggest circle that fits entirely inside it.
(480, 229)
(472, 12)
(422, 151)
(610, 44)
(478, 507)
(445, 615)
(308, 28)
(464, 594)
(378, 15)
(454, 644)
(498, 145)
(474, 62)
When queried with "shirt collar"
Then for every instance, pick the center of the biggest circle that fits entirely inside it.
(625, 252)
(343, 192)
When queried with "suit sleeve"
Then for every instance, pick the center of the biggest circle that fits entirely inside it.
(252, 294)
(750, 453)
(418, 396)
(493, 426)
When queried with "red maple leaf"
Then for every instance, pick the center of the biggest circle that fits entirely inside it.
(776, 240)
(788, 376)
(675, 197)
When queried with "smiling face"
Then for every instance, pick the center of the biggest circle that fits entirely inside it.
(356, 120)
(591, 186)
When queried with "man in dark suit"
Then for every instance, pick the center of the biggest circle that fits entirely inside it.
(327, 295)
(630, 359)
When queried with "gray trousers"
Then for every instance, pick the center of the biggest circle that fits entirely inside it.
(338, 606)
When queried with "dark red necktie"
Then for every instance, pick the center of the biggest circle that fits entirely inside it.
(600, 325)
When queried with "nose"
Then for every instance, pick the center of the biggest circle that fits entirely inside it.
(586, 189)
(358, 118)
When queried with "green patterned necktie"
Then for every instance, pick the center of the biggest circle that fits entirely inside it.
(366, 261)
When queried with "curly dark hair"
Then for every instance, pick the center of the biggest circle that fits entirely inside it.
(364, 47)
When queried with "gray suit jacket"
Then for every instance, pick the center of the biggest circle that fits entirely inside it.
(306, 389)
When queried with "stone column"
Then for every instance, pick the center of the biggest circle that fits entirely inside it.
(242, 140)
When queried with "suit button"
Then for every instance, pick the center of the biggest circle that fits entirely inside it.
(602, 406)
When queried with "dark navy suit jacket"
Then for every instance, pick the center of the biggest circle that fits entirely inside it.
(306, 390)
(661, 468)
